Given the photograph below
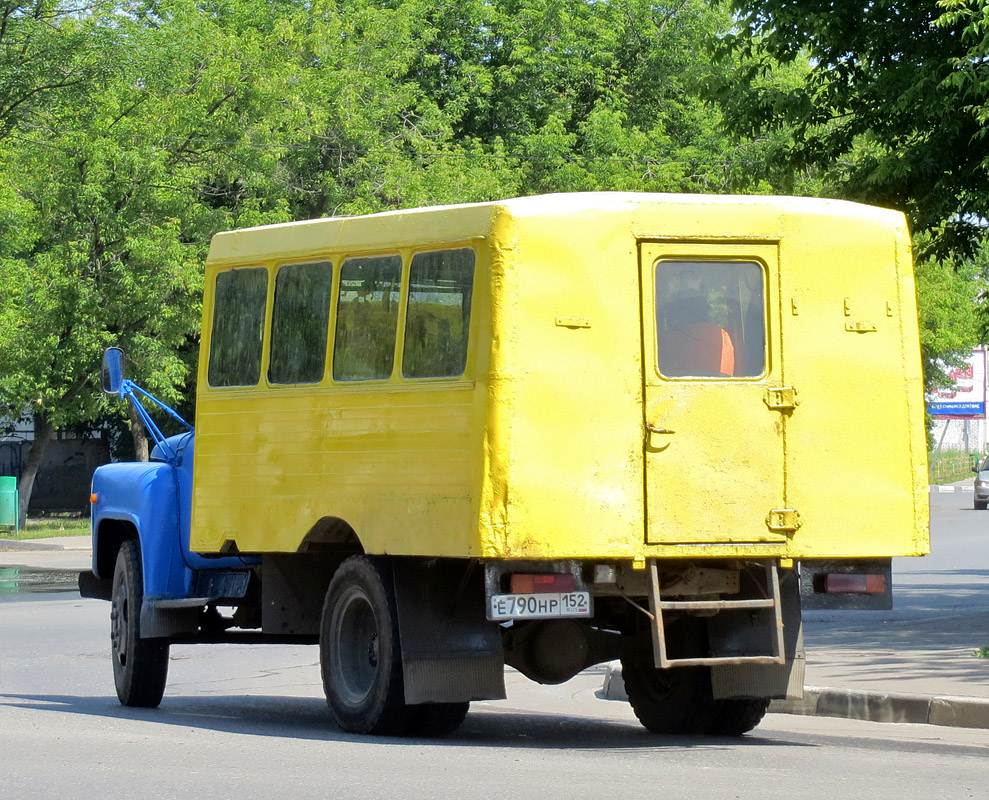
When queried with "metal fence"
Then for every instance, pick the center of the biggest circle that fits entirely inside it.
(948, 469)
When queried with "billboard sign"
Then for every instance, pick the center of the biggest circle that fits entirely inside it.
(966, 398)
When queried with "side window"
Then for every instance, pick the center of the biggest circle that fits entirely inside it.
(710, 319)
(238, 327)
(299, 322)
(367, 318)
(437, 321)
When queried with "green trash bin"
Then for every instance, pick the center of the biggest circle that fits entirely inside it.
(9, 516)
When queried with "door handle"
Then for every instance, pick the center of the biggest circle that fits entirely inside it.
(653, 429)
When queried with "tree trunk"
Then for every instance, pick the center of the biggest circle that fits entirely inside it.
(43, 431)
(138, 434)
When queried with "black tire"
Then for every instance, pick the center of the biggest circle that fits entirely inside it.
(140, 666)
(735, 716)
(668, 701)
(437, 719)
(980, 505)
(359, 651)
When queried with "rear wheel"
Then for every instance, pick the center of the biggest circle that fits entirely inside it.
(437, 719)
(359, 651)
(140, 666)
(736, 715)
(676, 700)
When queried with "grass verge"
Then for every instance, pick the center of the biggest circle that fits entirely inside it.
(45, 527)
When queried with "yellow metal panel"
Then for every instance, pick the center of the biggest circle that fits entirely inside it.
(394, 465)
(398, 460)
(351, 235)
(856, 441)
(565, 460)
(540, 450)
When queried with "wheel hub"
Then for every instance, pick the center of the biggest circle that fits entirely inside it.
(355, 652)
(118, 628)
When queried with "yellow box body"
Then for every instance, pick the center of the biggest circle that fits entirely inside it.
(562, 439)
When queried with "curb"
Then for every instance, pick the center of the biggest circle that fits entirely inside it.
(947, 710)
(70, 543)
(28, 544)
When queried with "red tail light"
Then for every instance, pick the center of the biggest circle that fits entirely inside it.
(525, 583)
(840, 583)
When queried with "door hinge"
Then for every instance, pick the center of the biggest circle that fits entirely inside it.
(781, 398)
(783, 520)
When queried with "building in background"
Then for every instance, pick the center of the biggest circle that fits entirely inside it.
(63, 481)
(959, 412)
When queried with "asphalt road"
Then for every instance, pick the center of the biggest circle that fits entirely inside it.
(250, 722)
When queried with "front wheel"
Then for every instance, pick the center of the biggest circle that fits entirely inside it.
(140, 666)
(980, 505)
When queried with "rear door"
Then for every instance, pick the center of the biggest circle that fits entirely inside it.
(716, 404)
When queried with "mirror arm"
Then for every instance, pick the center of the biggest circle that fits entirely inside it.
(131, 391)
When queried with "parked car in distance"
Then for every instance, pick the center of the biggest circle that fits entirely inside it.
(981, 485)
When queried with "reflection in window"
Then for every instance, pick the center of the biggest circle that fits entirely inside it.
(438, 317)
(299, 321)
(238, 327)
(367, 318)
(710, 319)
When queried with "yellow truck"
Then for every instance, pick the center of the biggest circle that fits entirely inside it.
(545, 432)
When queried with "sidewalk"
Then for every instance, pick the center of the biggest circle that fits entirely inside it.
(858, 666)
(912, 671)
(63, 553)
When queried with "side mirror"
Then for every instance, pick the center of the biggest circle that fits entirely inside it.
(112, 370)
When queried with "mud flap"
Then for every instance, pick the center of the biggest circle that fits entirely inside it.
(451, 652)
(158, 620)
(763, 680)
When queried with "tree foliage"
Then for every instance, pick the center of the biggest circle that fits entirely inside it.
(891, 106)
(48, 47)
(583, 95)
(949, 296)
(132, 130)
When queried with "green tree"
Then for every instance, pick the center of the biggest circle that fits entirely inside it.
(948, 296)
(47, 48)
(585, 95)
(891, 107)
(118, 188)
(164, 121)
(369, 136)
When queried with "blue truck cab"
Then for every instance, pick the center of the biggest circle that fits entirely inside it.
(160, 591)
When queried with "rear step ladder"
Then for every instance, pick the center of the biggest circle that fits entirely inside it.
(657, 606)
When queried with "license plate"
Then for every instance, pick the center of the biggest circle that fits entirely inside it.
(540, 606)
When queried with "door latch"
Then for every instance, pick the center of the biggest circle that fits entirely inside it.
(781, 398)
(783, 520)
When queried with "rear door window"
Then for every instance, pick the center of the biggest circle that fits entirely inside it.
(711, 319)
